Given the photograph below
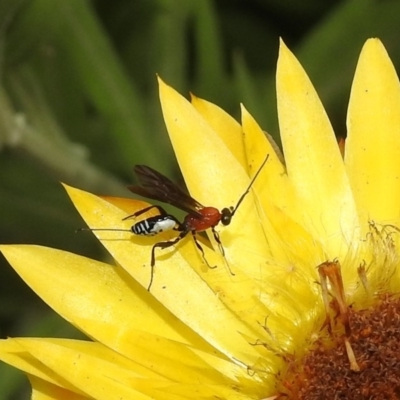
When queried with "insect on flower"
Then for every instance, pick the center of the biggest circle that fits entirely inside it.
(199, 218)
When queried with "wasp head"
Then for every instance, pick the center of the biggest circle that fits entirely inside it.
(226, 215)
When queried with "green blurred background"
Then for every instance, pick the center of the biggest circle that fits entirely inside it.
(79, 103)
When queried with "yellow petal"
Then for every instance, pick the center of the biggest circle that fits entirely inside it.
(177, 286)
(274, 185)
(85, 292)
(373, 141)
(205, 160)
(100, 378)
(43, 390)
(93, 310)
(313, 159)
(224, 125)
(215, 178)
(87, 365)
(136, 250)
(274, 194)
(14, 354)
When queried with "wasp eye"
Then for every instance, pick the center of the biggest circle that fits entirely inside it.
(226, 216)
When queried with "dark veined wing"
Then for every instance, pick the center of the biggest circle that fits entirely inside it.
(156, 186)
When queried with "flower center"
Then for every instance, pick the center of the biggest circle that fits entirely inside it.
(325, 372)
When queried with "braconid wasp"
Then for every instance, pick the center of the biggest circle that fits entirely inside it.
(199, 218)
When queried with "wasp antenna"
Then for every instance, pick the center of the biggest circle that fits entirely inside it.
(102, 229)
(250, 185)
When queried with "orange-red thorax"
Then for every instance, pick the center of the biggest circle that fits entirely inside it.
(210, 217)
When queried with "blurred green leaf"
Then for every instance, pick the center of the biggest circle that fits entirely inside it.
(330, 52)
(210, 71)
(75, 30)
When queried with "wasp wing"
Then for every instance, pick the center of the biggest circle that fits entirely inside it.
(156, 186)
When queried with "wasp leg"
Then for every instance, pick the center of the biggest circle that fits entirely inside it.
(162, 245)
(221, 248)
(218, 240)
(198, 245)
(144, 210)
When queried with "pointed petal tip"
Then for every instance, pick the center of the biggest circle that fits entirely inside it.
(193, 97)
(6, 249)
(71, 191)
(287, 63)
(65, 186)
(373, 47)
(9, 251)
(283, 49)
(373, 42)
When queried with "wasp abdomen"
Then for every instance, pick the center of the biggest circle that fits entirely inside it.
(154, 225)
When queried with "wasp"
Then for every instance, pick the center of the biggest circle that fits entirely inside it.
(156, 186)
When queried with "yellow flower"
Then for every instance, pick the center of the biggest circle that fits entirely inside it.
(307, 226)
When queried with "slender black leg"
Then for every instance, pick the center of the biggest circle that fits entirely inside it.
(221, 248)
(218, 240)
(151, 277)
(198, 245)
(144, 210)
(162, 245)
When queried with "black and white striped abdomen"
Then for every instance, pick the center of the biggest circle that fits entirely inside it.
(153, 225)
